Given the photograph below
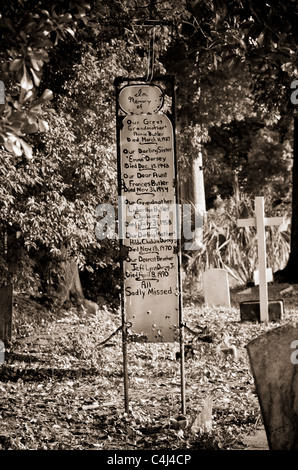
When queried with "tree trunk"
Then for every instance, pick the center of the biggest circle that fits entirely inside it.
(198, 199)
(290, 272)
(193, 193)
(70, 288)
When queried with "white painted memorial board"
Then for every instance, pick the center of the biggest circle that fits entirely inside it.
(148, 215)
(216, 288)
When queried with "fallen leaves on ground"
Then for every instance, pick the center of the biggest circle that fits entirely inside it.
(60, 390)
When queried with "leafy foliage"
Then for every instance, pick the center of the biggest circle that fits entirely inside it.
(57, 163)
(235, 249)
(31, 195)
(57, 124)
(27, 38)
(252, 151)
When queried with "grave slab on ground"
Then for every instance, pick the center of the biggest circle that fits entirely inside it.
(274, 363)
(216, 288)
(250, 310)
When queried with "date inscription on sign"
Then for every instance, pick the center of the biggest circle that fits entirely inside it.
(148, 215)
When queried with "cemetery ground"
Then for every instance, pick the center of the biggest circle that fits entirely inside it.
(61, 389)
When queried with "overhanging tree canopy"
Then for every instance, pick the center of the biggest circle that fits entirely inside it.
(60, 166)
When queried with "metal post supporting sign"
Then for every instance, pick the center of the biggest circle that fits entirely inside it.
(149, 219)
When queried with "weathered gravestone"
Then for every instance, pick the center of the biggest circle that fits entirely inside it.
(6, 313)
(274, 363)
(216, 288)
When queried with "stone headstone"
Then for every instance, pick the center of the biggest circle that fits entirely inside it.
(216, 288)
(274, 363)
(6, 313)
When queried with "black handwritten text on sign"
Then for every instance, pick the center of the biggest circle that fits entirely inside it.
(149, 219)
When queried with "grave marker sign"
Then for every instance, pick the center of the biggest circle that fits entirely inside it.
(149, 219)
(148, 198)
(260, 221)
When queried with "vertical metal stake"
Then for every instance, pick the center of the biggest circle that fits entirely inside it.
(182, 369)
(124, 329)
(181, 326)
(125, 359)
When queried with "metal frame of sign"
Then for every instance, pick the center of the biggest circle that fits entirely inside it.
(120, 83)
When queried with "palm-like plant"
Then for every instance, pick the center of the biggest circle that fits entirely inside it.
(225, 245)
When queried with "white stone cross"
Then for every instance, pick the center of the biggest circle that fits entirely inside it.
(260, 221)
